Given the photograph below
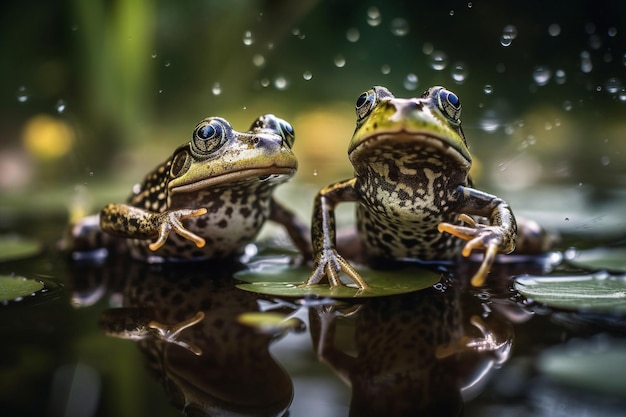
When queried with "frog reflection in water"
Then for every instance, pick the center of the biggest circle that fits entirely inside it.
(187, 327)
(413, 189)
(220, 184)
(411, 355)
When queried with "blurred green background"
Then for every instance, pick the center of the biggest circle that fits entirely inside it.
(95, 94)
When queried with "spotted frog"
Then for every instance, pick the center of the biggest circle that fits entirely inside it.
(214, 193)
(413, 189)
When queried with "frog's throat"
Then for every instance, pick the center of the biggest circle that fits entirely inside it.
(446, 147)
(264, 174)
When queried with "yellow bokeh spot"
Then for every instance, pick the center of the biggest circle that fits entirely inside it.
(47, 137)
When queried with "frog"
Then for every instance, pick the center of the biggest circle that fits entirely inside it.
(414, 193)
(214, 193)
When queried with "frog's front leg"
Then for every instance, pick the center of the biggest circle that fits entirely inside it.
(132, 222)
(326, 261)
(496, 237)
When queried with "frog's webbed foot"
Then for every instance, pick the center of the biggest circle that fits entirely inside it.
(492, 239)
(172, 220)
(330, 264)
(170, 332)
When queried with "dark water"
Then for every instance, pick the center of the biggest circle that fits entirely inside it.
(447, 350)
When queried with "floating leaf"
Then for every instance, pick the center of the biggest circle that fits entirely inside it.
(597, 364)
(599, 292)
(599, 258)
(15, 287)
(285, 281)
(13, 247)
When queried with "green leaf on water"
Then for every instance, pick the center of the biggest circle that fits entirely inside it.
(285, 281)
(600, 258)
(16, 287)
(13, 247)
(599, 292)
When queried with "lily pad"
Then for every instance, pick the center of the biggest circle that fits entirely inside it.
(285, 281)
(599, 258)
(13, 247)
(14, 288)
(599, 292)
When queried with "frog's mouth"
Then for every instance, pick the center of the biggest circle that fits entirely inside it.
(419, 144)
(266, 174)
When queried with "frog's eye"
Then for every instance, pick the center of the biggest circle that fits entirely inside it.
(365, 104)
(209, 135)
(449, 104)
(287, 132)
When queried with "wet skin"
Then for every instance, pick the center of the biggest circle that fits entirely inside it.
(415, 199)
(214, 193)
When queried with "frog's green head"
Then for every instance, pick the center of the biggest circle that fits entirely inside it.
(217, 154)
(430, 123)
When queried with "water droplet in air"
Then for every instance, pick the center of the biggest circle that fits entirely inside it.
(248, 39)
(560, 77)
(613, 85)
(451, 13)
(353, 35)
(459, 73)
(258, 60)
(265, 82)
(605, 160)
(385, 69)
(22, 94)
(60, 106)
(399, 26)
(315, 173)
(410, 82)
(508, 34)
(567, 105)
(595, 42)
(541, 75)
(307, 75)
(428, 48)
(469, 5)
(585, 62)
(373, 16)
(622, 96)
(154, 54)
(339, 61)
(168, 64)
(280, 83)
(488, 89)
(438, 60)
(554, 29)
(612, 32)
(216, 90)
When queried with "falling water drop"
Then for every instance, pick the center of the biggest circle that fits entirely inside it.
(438, 60)
(410, 82)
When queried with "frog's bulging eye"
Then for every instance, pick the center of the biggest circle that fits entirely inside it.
(281, 127)
(449, 104)
(209, 135)
(287, 132)
(365, 104)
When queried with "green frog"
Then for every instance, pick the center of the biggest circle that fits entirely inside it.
(214, 193)
(412, 185)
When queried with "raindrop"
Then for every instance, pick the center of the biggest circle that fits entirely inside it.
(168, 64)
(488, 89)
(595, 42)
(385, 69)
(307, 75)
(258, 60)
(298, 33)
(613, 85)
(541, 75)
(451, 12)
(399, 26)
(154, 54)
(160, 91)
(585, 62)
(410, 82)
(590, 28)
(60, 106)
(490, 121)
(353, 35)
(469, 5)
(560, 77)
(605, 160)
(438, 60)
(315, 173)
(339, 61)
(612, 32)
(247, 38)
(265, 82)
(280, 83)
(428, 48)
(622, 96)
(373, 16)
(508, 34)
(216, 89)
(567, 105)
(459, 73)
(22, 94)
(554, 29)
